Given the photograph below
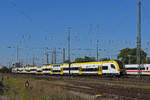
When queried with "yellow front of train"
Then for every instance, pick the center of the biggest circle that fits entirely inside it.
(120, 67)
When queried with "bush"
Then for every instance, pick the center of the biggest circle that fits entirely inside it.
(4, 70)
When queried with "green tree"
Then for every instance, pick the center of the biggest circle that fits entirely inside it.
(128, 55)
(4, 70)
(85, 59)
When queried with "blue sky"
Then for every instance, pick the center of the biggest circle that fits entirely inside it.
(35, 24)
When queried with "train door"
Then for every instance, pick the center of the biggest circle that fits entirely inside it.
(99, 69)
(80, 70)
(51, 71)
(61, 70)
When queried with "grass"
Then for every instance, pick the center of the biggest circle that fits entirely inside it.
(52, 90)
(42, 90)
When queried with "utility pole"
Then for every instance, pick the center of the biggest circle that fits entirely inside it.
(129, 59)
(139, 40)
(17, 53)
(97, 50)
(52, 59)
(9, 64)
(55, 59)
(47, 59)
(33, 61)
(69, 29)
(63, 55)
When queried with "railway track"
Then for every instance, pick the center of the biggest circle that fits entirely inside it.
(93, 88)
(124, 88)
(130, 78)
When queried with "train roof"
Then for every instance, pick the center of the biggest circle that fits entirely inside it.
(136, 65)
(65, 64)
(111, 61)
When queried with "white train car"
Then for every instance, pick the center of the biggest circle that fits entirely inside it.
(65, 69)
(89, 68)
(113, 67)
(27, 69)
(97, 68)
(132, 69)
(47, 69)
(39, 70)
(32, 69)
(57, 69)
(20, 70)
(14, 70)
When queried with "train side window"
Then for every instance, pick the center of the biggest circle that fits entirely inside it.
(104, 67)
(147, 68)
(113, 66)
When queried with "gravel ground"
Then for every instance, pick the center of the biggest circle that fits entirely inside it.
(125, 88)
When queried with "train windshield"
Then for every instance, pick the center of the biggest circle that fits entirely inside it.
(120, 64)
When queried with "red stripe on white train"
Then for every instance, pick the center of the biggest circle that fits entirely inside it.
(137, 71)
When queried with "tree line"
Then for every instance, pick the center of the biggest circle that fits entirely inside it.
(128, 56)
(5, 69)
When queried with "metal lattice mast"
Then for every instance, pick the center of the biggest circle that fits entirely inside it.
(17, 53)
(69, 29)
(52, 59)
(47, 58)
(139, 40)
(63, 55)
(55, 56)
(97, 50)
(33, 61)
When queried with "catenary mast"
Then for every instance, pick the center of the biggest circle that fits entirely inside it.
(139, 40)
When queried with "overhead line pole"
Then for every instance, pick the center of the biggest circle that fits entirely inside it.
(33, 61)
(139, 40)
(97, 50)
(63, 55)
(55, 57)
(17, 53)
(69, 62)
(47, 59)
(52, 59)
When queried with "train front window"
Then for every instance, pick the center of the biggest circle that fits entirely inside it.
(113, 66)
(120, 64)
